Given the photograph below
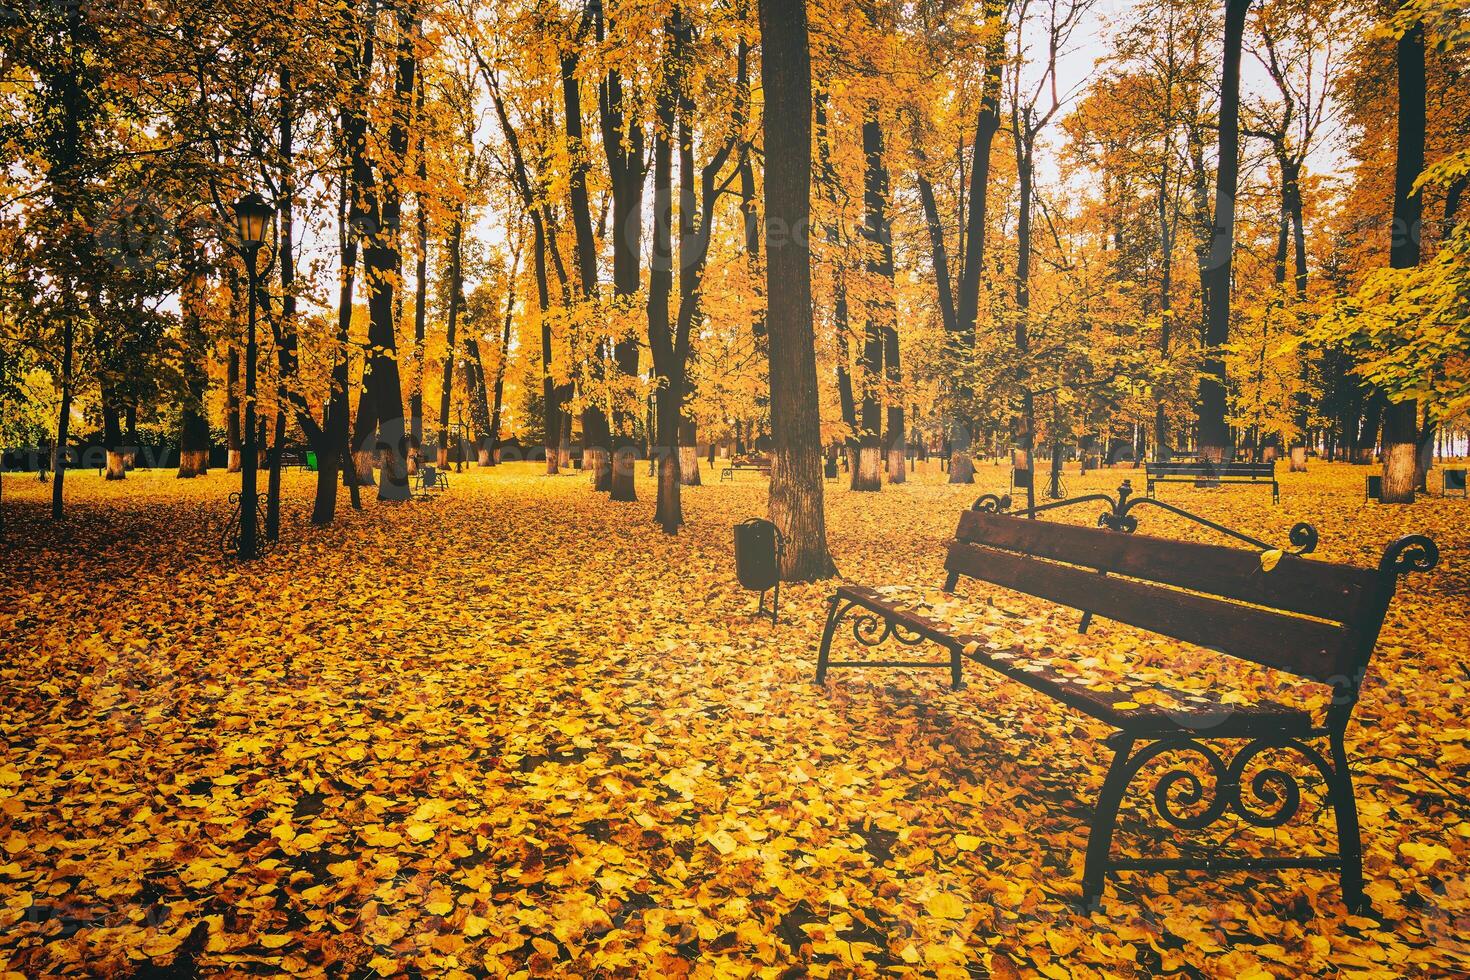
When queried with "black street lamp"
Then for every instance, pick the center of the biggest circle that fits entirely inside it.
(252, 214)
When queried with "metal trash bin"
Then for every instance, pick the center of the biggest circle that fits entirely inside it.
(758, 548)
(1454, 482)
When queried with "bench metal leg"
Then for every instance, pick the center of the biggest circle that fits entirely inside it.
(1345, 809)
(873, 628)
(1104, 819)
(825, 651)
(1268, 800)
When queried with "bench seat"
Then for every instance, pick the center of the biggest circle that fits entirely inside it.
(1077, 681)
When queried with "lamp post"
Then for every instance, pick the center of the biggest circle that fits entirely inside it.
(251, 215)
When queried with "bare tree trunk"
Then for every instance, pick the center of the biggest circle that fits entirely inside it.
(796, 492)
(867, 474)
(117, 464)
(689, 453)
(840, 322)
(1166, 297)
(1400, 450)
(285, 326)
(1214, 436)
(596, 430)
(378, 215)
(194, 428)
(1425, 460)
(420, 296)
(492, 442)
(354, 63)
(972, 256)
(1291, 201)
(63, 420)
(456, 288)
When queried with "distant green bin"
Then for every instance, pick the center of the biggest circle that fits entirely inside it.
(311, 461)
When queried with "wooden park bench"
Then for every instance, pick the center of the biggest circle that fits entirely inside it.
(760, 464)
(1206, 472)
(429, 480)
(1308, 618)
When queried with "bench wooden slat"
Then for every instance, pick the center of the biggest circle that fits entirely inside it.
(1216, 469)
(1298, 585)
(1097, 703)
(1304, 647)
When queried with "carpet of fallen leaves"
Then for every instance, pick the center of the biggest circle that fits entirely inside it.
(516, 729)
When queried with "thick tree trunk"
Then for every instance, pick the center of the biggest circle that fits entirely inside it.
(1400, 451)
(1214, 436)
(596, 431)
(335, 456)
(116, 460)
(194, 427)
(131, 438)
(382, 261)
(1424, 461)
(671, 350)
(796, 492)
(879, 320)
(364, 443)
(688, 453)
(668, 507)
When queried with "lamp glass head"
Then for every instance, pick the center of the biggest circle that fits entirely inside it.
(252, 213)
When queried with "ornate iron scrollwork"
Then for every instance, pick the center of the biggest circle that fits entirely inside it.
(1411, 553)
(230, 533)
(989, 503)
(1274, 794)
(1119, 517)
(1303, 538)
(871, 630)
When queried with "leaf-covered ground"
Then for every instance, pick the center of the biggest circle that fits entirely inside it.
(517, 729)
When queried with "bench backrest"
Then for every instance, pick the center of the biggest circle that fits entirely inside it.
(1207, 468)
(1304, 616)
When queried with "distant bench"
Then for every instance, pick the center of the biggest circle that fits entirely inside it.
(757, 463)
(1205, 471)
